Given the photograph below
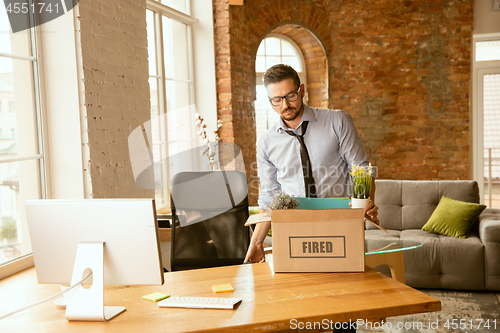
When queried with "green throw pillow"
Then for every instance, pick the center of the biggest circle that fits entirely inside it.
(453, 217)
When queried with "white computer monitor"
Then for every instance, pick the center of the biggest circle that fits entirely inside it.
(117, 239)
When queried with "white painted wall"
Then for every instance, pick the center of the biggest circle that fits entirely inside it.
(114, 60)
(485, 19)
(204, 64)
(61, 102)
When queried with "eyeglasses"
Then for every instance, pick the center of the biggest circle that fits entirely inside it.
(290, 97)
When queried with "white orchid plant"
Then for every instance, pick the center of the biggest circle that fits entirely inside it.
(203, 134)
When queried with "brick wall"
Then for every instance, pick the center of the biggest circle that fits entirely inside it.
(400, 68)
(114, 62)
(235, 98)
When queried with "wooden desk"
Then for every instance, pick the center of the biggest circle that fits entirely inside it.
(270, 301)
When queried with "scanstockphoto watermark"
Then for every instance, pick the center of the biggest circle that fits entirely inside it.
(325, 324)
(25, 14)
(480, 324)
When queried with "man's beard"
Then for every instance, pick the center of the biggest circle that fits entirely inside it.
(292, 116)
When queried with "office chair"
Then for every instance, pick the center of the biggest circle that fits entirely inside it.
(209, 210)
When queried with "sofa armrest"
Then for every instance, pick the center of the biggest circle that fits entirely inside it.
(489, 233)
(489, 225)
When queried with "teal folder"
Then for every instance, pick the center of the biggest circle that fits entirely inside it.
(323, 203)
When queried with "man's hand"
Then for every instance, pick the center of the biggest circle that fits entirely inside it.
(255, 253)
(372, 211)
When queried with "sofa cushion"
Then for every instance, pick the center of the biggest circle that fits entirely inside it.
(453, 218)
(388, 200)
(463, 190)
(444, 262)
(419, 198)
(379, 234)
(407, 204)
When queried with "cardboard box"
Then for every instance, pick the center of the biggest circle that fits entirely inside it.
(318, 240)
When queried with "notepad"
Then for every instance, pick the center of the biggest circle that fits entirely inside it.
(155, 297)
(222, 288)
(258, 218)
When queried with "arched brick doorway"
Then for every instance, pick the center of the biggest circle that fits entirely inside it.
(316, 63)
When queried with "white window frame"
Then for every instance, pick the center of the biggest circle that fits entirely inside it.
(159, 11)
(26, 260)
(480, 68)
(60, 91)
(203, 91)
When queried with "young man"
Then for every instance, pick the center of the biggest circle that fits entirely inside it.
(308, 152)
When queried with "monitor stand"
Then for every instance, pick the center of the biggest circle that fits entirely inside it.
(88, 304)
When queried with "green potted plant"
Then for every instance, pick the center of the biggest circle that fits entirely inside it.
(361, 185)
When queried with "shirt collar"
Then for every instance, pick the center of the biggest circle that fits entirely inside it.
(307, 115)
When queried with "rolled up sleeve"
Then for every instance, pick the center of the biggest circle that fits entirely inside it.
(268, 177)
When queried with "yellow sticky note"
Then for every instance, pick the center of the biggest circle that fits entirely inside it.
(155, 297)
(222, 288)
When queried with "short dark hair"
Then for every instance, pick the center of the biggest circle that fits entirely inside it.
(280, 72)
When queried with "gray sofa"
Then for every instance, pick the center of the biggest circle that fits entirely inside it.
(442, 262)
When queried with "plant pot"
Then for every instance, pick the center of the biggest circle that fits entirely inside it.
(359, 203)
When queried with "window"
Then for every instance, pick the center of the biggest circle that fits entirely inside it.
(276, 50)
(171, 83)
(491, 137)
(273, 50)
(180, 5)
(21, 159)
(486, 117)
(488, 51)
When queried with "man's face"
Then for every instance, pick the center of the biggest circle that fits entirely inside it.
(289, 111)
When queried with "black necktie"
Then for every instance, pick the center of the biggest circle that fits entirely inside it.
(306, 162)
